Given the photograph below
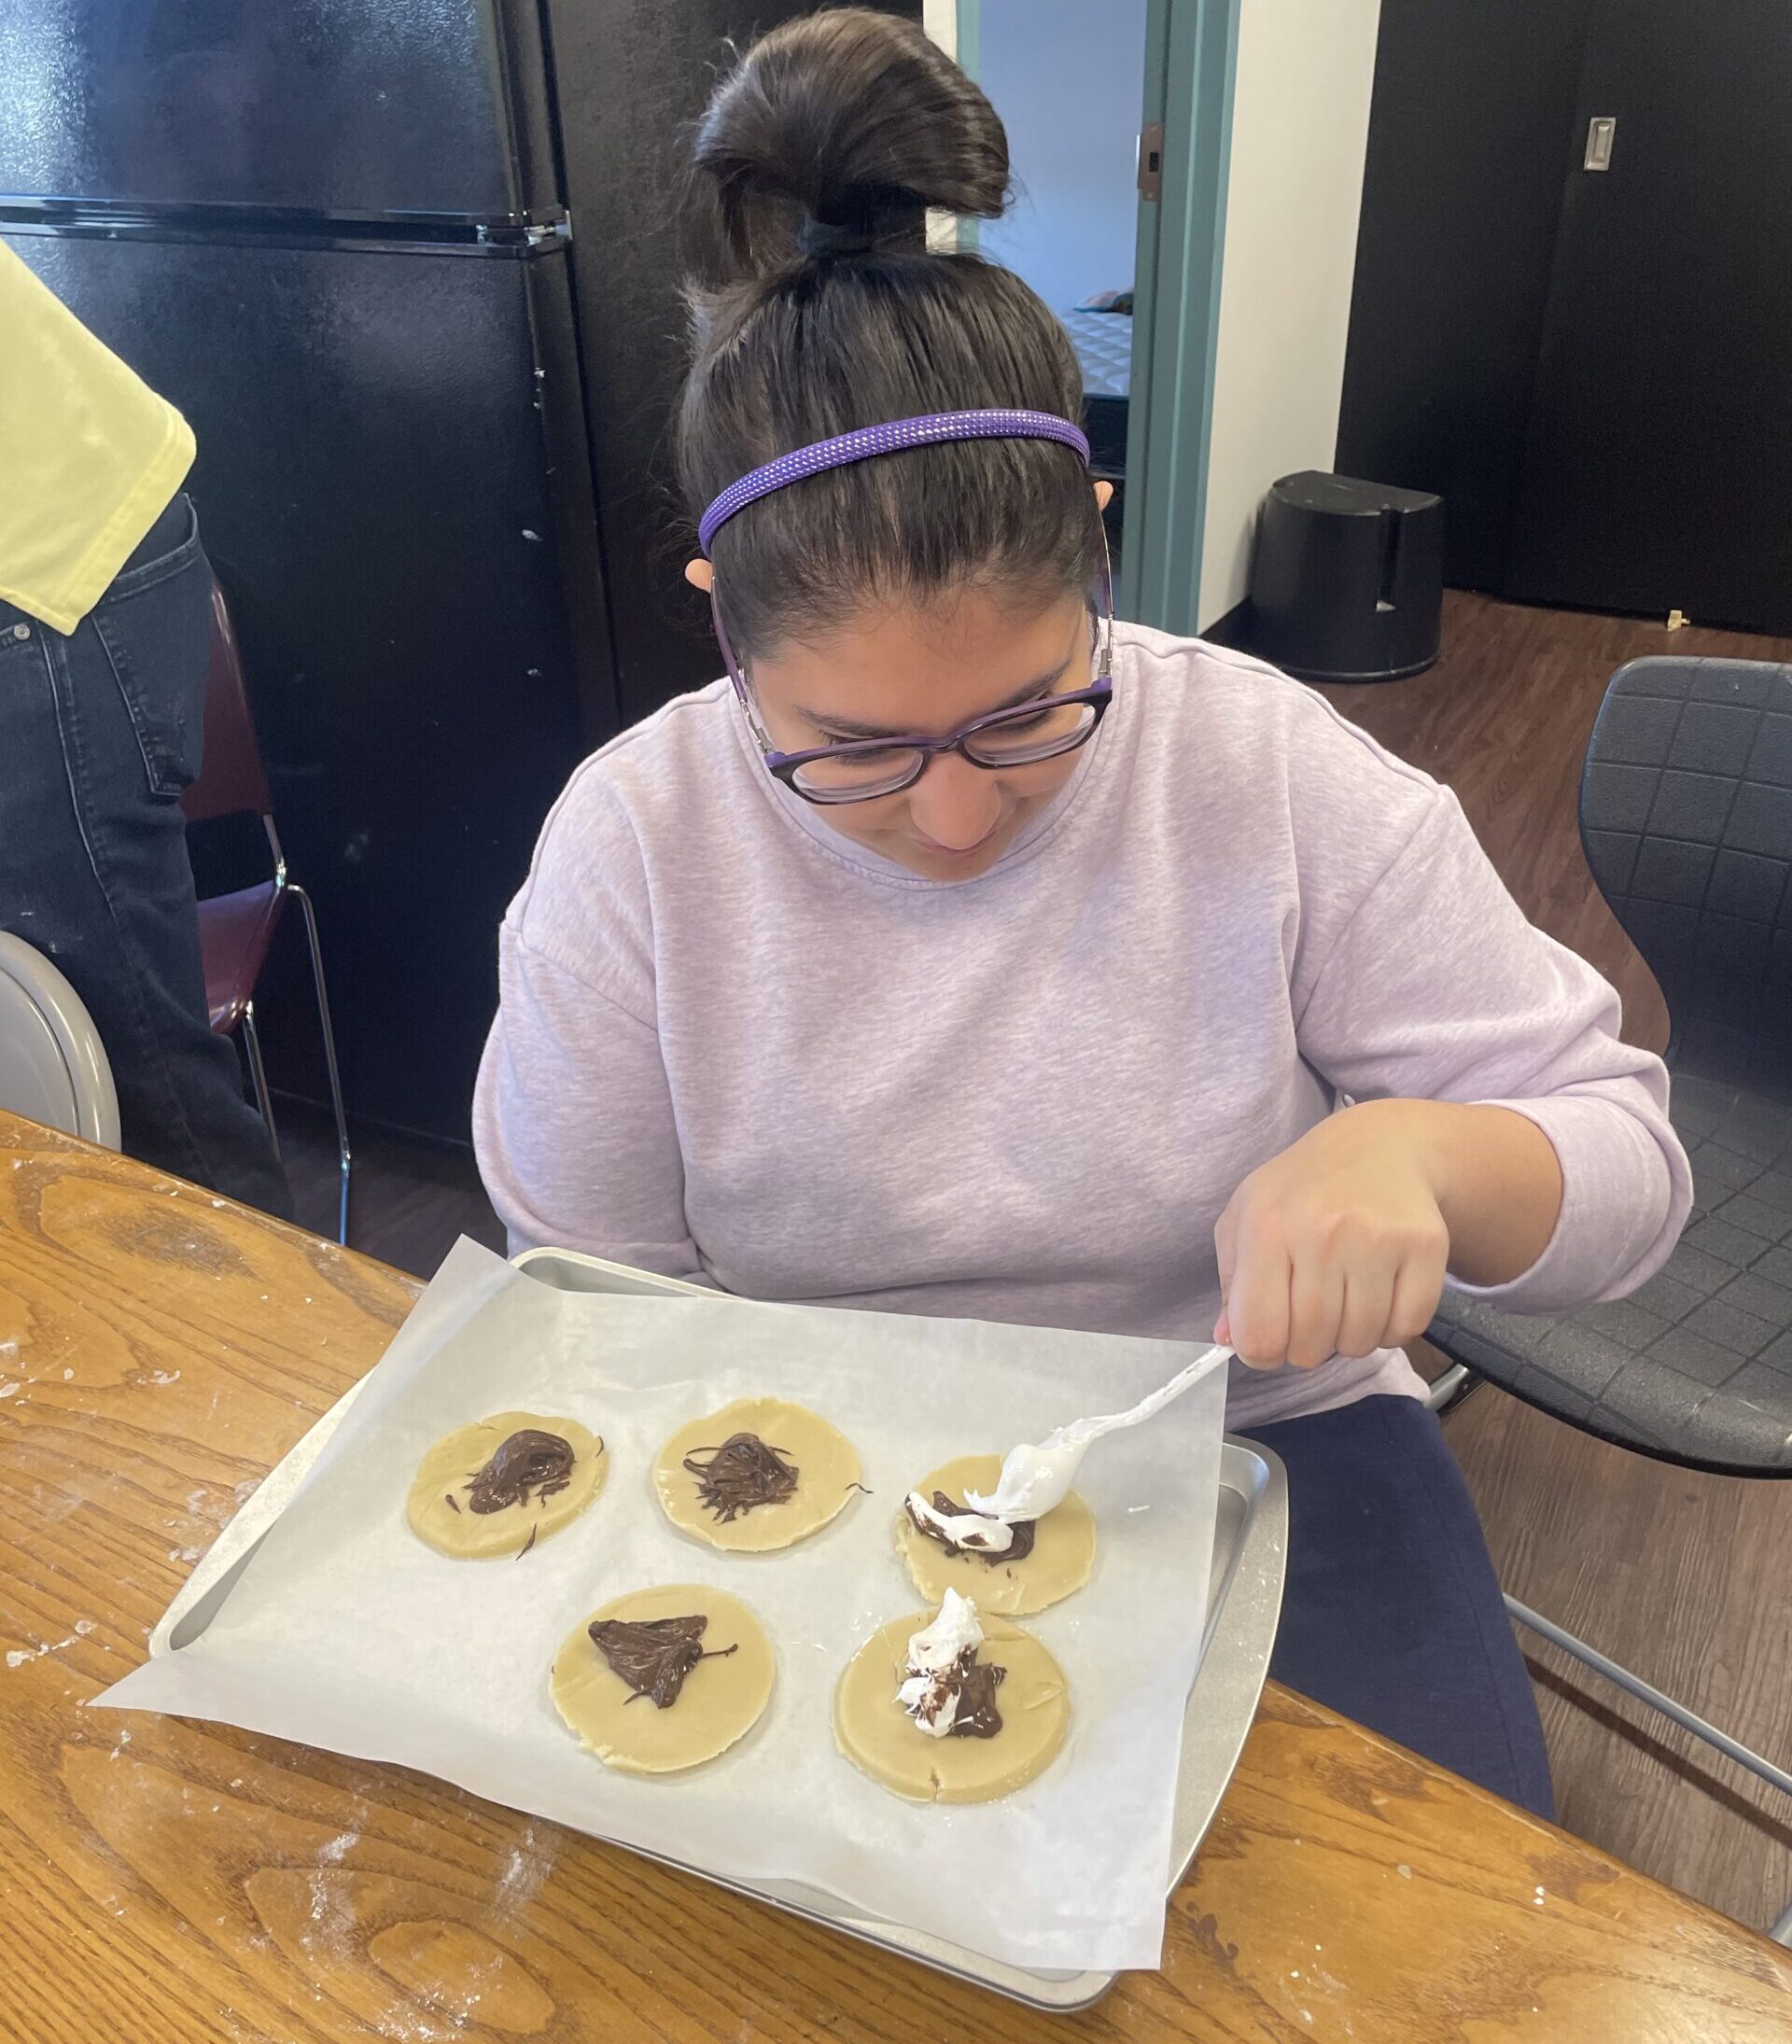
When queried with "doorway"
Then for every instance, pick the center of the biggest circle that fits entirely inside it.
(1118, 121)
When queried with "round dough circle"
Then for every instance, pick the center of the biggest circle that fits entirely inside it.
(720, 1701)
(827, 1466)
(451, 1464)
(1063, 1549)
(881, 1740)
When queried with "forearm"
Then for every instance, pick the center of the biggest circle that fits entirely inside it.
(1496, 1179)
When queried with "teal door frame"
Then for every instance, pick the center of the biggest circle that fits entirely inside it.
(970, 14)
(1191, 59)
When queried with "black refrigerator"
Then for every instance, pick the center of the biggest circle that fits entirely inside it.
(332, 231)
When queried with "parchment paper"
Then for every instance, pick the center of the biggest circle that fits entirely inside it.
(345, 1632)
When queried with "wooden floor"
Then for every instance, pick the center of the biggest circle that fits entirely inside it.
(411, 1201)
(1684, 1577)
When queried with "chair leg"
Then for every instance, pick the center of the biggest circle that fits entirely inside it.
(310, 914)
(1449, 1390)
(1645, 1693)
(257, 1074)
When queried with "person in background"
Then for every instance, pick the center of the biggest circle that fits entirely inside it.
(966, 953)
(104, 626)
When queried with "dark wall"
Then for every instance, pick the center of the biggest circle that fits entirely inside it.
(377, 491)
(631, 74)
(1470, 134)
(1660, 434)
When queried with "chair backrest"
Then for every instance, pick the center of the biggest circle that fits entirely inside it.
(231, 778)
(1686, 814)
(53, 1067)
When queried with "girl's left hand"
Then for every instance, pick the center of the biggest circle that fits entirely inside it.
(1338, 1246)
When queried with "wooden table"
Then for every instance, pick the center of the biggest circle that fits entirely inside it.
(165, 1882)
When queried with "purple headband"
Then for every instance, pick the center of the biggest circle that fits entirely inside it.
(867, 440)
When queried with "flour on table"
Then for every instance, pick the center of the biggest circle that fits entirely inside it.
(20, 1656)
(525, 1871)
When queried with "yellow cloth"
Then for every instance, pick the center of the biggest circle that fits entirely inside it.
(90, 456)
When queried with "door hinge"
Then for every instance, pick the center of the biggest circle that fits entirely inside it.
(1151, 161)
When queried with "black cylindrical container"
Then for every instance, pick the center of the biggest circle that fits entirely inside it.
(1347, 579)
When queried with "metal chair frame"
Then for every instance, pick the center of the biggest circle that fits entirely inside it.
(247, 790)
(252, 1036)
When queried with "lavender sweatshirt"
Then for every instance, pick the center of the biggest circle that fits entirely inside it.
(733, 1047)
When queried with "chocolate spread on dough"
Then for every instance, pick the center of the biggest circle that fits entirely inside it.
(1017, 1549)
(977, 1716)
(654, 1655)
(974, 1685)
(530, 1460)
(742, 1473)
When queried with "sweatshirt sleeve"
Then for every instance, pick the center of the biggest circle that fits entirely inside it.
(1438, 987)
(573, 1120)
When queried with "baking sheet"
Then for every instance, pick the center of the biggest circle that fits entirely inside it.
(343, 1630)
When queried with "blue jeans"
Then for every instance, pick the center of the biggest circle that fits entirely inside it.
(1392, 1613)
(99, 734)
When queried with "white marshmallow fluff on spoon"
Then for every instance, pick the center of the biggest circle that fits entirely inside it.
(1035, 1480)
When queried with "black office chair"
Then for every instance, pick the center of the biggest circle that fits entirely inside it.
(1686, 814)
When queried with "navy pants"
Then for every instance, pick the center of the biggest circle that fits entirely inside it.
(1392, 1613)
(99, 734)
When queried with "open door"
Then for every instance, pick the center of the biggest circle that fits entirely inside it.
(1191, 53)
(1118, 121)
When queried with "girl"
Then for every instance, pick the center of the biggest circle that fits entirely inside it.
(968, 953)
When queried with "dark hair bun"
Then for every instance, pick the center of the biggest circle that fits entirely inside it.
(815, 309)
(831, 138)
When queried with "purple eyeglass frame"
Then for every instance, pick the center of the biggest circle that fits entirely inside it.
(861, 446)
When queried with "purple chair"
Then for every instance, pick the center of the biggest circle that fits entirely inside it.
(236, 930)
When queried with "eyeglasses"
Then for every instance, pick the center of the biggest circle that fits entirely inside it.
(862, 769)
